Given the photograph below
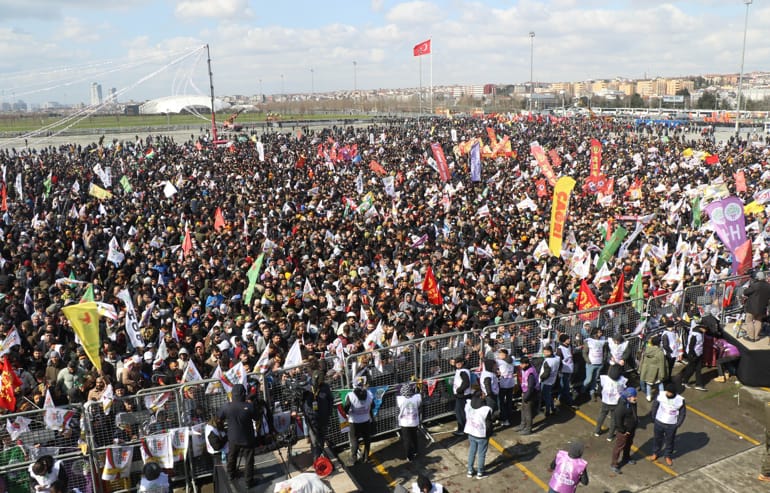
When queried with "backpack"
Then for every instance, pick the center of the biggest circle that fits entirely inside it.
(217, 442)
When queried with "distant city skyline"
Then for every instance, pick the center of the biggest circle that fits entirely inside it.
(52, 50)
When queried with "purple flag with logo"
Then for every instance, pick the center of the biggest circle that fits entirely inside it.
(476, 162)
(729, 222)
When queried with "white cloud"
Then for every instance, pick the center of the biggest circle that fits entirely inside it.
(78, 31)
(417, 12)
(226, 9)
(377, 5)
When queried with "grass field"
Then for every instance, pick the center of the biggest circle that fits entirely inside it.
(26, 123)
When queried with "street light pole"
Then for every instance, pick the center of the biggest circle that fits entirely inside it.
(531, 68)
(355, 76)
(283, 95)
(312, 82)
(740, 77)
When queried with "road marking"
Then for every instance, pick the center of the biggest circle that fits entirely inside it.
(723, 426)
(518, 465)
(633, 447)
(382, 470)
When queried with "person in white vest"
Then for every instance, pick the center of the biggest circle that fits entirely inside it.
(154, 480)
(549, 372)
(215, 436)
(530, 395)
(409, 417)
(593, 352)
(478, 427)
(619, 352)
(564, 352)
(671, 344)
(668, 413)
(425, 485)
(358, 406)
(507, 383)
(569, 470)
(461, 386)
(694, 352)
(612, 385)
(45, 471)
(490, 385)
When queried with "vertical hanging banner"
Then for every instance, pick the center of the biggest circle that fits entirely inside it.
(441, 164)
(542, 161)
(596, 158)
(729, 222)
(559, 206)
(476, 162)
(555, 159)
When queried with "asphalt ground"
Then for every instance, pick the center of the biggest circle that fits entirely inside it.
(717, 430)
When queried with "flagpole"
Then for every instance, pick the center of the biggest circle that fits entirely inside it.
(420, 111)
(431, 79)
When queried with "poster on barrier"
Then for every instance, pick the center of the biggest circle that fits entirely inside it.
(117, 463)
(158, 448)
(197, 439)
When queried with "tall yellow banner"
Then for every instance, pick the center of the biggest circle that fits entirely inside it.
(559, 208)
(84, 319)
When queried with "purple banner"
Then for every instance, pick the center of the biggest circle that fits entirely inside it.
(476, 162)
(729, 222)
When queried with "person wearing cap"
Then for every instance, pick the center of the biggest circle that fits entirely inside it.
(359, 406)
(757, 297)
(626, 421)
(154, 480)
(461, 387)
(409, 404)
(668, 412)
(694, 352)
(530, 395)
(569, 470)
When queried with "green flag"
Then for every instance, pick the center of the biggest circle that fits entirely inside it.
(126, 184)
(342, 393)
(253, 275)
(88, 295)
(696, 213)
(637, 293)
(48, 183)
(612, 246)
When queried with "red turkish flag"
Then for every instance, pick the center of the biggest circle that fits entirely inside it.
(219, 220)
(9, 382)
(542, 189)
(377, 167)
(712, 159)
(586, 300)
(422, 48)
(617, 293)
(430, 286)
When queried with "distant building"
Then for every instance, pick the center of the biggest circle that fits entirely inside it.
(96, 94)
(113, 95)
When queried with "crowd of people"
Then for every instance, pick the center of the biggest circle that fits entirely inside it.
(347, 223)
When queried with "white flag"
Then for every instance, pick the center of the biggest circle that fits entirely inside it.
(12, 339)
(169, 190)
(114, 254)
(191, 373)
(294, 356)
(132, 323)
(107, 397)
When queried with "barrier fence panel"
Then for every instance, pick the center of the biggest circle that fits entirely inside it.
(438, 354)
(15, 470)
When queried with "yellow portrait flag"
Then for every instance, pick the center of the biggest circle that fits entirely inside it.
(753, 208)
(84, 319)
(99, 192)
(559, 208)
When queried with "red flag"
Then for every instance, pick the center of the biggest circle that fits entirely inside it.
(430, 286)
(542, 190)
(743, 257)
(492, 136)
(609, 230)
(617, 293)
(609, 188)
(586, 300)
(555, 159)
(377, 167)
(438, 155)
(9, 382)
(300, 162)
(187, 243)
(219, 221)
(422, 48)
(4, 195)
(596, 158)
(712, 159)
(740, 184)
(542, 161)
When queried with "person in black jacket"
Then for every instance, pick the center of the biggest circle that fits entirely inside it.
(626, 421)
(240, 416)
(317, 404)
(757, 298)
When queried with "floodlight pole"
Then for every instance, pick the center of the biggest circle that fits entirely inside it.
(740, 78)
(211, 85)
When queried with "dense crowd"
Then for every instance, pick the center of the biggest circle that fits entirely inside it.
(343, 254)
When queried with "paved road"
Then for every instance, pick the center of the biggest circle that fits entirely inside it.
(717, 429)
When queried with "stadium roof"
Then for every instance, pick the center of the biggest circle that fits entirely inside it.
(175, 104)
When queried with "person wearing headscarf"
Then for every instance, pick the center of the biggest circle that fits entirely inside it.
(359, 406)
(409, 404)
(626, 421)
(478, 427)
(668, 412)
(569, 470)
(317, 404)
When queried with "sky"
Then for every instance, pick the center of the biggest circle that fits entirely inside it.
(52, 50)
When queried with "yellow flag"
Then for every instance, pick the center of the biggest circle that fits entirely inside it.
(753, 208)
(99, 192)
(84, 319)
(687, 152)
(559, 207)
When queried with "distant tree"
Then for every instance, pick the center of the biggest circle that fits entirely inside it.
(637, 101)
(707, 101)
